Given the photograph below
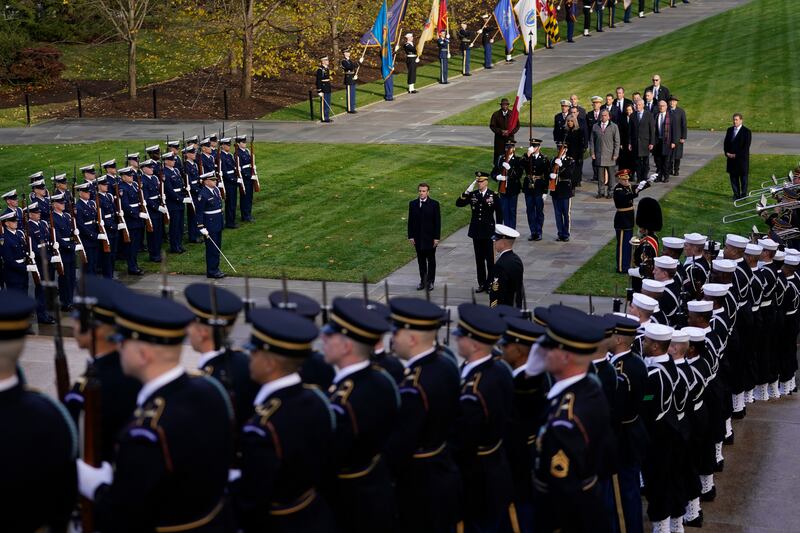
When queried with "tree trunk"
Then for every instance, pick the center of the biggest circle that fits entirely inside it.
(132, 89)
(335, 39)
(248, 47)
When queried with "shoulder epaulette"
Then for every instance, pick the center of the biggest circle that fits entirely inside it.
(73, 432)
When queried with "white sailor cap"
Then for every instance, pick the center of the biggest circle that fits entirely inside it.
(174, 144)
(627, 315)
(60, 197)
(665, 261)
(723, 265)
(126, 170)
(206, 141)
(792, 259)
(225, 140)
(109, 163)
(695, 334)
(791, 251)
(33, 206)
(651, 285)
(596, 98)
(60, 177)
(154, 148)
(679, 335)
(10, 215)
(10, 194)
(88, 168)
(209, 176)
(695, 238)
(779, 256)
(37, 183)
(566, 102)
(658, 332)
(768, 244)
(134, 156)
(36, 175)
(147, 163)
(644, 302)
(634, 272)
(501, 231)
(192, 139)
(715, 290)
(84, 187)
(675, 243)
(700, 306)
(409, 35)
(753, 249)
(737, 241)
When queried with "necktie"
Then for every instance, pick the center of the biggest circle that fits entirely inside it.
(640, 115)
(661, 125)
(602, 127)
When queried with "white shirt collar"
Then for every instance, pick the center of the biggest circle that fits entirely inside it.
(207, 356)
(517, 371)
(559, 386)
(469, 366)
(615, 357)
(154, 384)
(680, 361)
(273, 386)
(342, 373)
(9, 383)
(418, 357)
(649, 361)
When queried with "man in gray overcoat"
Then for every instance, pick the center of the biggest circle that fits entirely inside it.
(604, 147)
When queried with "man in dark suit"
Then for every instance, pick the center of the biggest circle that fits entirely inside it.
(573, 99)
(613, 111)
(650, 103)
(666, 141)
(659, 91)
(424, 231)
(559, 123)
(506, 287)
(679, 125)
(620, 102)
(642, 139)
(499, 126)
(737, 150)
(486, 209)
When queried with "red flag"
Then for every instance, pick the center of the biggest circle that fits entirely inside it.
(442, 24)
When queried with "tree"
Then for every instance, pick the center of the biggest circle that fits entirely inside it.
(126, 18)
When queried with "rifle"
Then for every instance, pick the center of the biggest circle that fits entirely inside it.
(51, 293)
(148, 224)
(162, 197)
(101, 224)
(248, 303)
(325, 306)
(218, 167)
(166, 291)
(56, 253)
(254, 173)
(75, 236)
(187, 185)
(29, 261)
(366, 291)
(238, 170)
(121, 224)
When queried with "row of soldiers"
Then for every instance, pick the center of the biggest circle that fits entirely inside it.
(179, 194)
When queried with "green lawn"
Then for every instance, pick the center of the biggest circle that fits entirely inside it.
(334, 212)
(697, 204)
(744, 60)
(14, 117)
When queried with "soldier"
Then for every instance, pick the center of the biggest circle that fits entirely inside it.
(427, 480)
(174, 190)
(64, 244)
(246, 170)
(132, 160)
(486, 403)
(86, 222)
(151, 189)
(536, 166)
(171, 465)
(791, 304)
(60, 186)
(682, 471)
(485, 205)
(664, 268)
(89, 176)
(174, 148)
(285, 445)
(349, 68)
(486, 40)
(465, 45)
(696, 265)
(571, 17)
(208, 162)
(129, 198)
(562, 196)
(507, 286)
(507, 172)
(14, 251)
(39, 235)
(649, 220)
(411, 62)
(39, 489)
(560, 123)
(12, 204)
(381, 356)
(443, 43)
(587, 16)
(673, 247)
(642, 307)
(365, 400)
(624, 194)
(323, 80)
(154, 153)
(599, 7)
(93, 332)
(227, 168)
(210, 222)
(40, 195)
(108, 215)
(110, 168)
(192, 187)
(208, 335)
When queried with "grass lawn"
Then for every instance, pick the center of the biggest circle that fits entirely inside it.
(697, 204)
(14, 117)
(334, 212)
(743, 60)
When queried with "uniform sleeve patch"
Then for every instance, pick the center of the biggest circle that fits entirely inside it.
(559, 465)
(139, 432)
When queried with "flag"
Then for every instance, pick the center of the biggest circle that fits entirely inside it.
(431, 23)
(379, 36)
(506, 23)
(443, 21)
(549, 15)
(526, 15)
(524, 92)
(396, 15)
(627, 3)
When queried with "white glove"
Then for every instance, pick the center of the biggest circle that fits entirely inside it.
(536, 360)
(234, 474)
(491, 40)
(32, 268)
(530, 150)
(558, 161)
(355, 77)
(76, 232)
(204, 232)
(553, 175)
(187, 200)
(506, 166)
(652, 178)
(56, 246)
(121, 214)
(500, 177)
(480, 31)
(102, 237)
(472, 186)
(640, 186)
(32, 256)
(416, 60)
(448, 55)
(470, 45)
(360, 59)
(90, 478)
(79, 248)
(319, 93)
(55, 259)
(121, 226)
(144, 216)
(162, 209)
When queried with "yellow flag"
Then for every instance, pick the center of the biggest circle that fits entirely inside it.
(429, 31)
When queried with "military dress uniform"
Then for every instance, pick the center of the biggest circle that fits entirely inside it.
(192, 188)
(411, 65)
(247, 171)
(62, 227)
(151, 187)
(562, 199)
(534, 186)
(510, 187)
(443, 44)
(105, 203)
(227, 168)
(623, 224)
(349, 70)
(14, 251)
(210, 218)
(486, 210)
(129, 198)
(39, 234)
(323, 81)
(465, 45)
(41, 197)
(174, 190)
(86, 222)
(507, 273)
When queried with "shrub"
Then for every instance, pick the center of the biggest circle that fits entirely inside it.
(40, 64)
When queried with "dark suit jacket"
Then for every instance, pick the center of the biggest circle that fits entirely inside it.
(663, 93)
(679, 125)
(559, 123)
(497, 124)
(669, 135)
(424, 223)
(740, 145)
(653, 108)
(642, 133)
(625, 102)
(613, 112)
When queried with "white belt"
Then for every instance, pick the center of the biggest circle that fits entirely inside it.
(41, 245)
(89, 222)
(153, 197)
(20, 261)
(106, 216)
(133, 205)
(698, 405)
(681, 415)
(740, 305)
(766, 303)
(214, 212)
(791, 312)
(754, 308)
(177, 190)
(66, 239)
(229, 172)
(245, 166)
(411, 55)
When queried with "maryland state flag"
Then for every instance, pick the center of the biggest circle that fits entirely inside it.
(549, 15)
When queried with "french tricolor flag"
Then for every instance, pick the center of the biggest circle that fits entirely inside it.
(524, 92)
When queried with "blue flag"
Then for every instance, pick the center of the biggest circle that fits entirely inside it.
(506, 23)
(395, 15)
(380, 35)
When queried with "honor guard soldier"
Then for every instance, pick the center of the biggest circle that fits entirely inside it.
(536, 166)
(443, 43)
(154, 153)
(669, 303)
(508, 173)
(93, 332)
(208, 335)
(571, 17)
(366, 401)
(192, 177)
(214, 143)
(285, 445)
(207, 161)
(129, 198)
(132, 160)
(507, 272)
(40, 443)
(175, 191)
(314, 370)
(562, 197)
(485, 411)
(673, 247)
(210, 222)
(65, 246)
(151, 189)
(110, 168)
(411, 61)
(39, 235)
(171, 465)
(40, 195)
(587, 17)
(89, 176)
(696, 265)
(227, 165)
(380, 356)
(12, 204)
(349, 68)
(15, 253)
(60, 186)
(427, 481)
(324, 90)
(649, 220)
(465, 44)
(485, 205)
(529, 406)
(247, 172)
(174, 148)
(624, 194)
(572, 443)
(86, 222)
(486, 41)
(105, 203)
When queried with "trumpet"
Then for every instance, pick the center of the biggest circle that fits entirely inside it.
(755, 195)
(759, 208)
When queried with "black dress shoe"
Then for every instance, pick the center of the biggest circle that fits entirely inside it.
(531, 238)
(138, 272)
(231, 226)
(697, 522)
(709, 496)
(720, 466)
(216, 275)
(67, 308)
(480, 289)
(565, 239)
(430, 287)
(728, 441)
(537, 237)
(420, 286)
(155, 259)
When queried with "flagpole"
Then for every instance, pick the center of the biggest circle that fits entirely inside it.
(530, 104)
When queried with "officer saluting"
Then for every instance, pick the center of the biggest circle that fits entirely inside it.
(172, 460)
(285, 445)
(411, 61)
(536, 166)
(39, 444)
(323, 81)
(506, 287)
(485, 205)
(349, 69)
(210, 221)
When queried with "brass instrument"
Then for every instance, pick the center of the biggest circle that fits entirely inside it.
(759, 208)
(774, 191)
(635, 240)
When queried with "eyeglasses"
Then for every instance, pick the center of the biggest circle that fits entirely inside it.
(656, 79)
